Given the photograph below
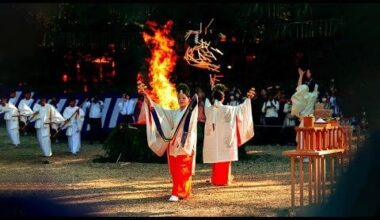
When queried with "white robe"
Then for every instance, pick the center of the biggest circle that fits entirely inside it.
(169, 121)
(46, 115)
(73, 127)
(221, 143)
(24, 109)
(303, 101)
(11, 121)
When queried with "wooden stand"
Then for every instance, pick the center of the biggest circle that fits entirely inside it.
(317, 144)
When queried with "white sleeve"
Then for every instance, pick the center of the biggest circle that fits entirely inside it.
(277, 105)
(263, 108)
(120, 105)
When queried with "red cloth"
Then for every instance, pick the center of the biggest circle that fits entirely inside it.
(181, 171)
(221, 173)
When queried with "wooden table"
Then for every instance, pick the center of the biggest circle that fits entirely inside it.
(318, 143)
(316, 173)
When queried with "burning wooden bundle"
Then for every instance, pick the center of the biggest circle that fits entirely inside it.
(202, 54)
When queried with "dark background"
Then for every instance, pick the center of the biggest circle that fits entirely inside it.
(36, 37)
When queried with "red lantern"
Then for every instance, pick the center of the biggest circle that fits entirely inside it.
(65, 78)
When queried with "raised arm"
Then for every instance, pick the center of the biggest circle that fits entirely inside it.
(301, 73)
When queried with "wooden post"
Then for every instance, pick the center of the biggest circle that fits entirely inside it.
(292, 179)
(310, 180)
(323, 177)
(318, 165)
(332, 169)
(315, 178)
(301, 181)
(350, 143)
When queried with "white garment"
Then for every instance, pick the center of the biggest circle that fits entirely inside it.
(95, 109)
(169, 120)
(303, 101)
(46, 115)
(27, 102)
(233, 103)
(271, 111)
(289, 120)
(127, 107)
(73, 127)
(24, 109)
(221, 140)
(11, 121)
(13, 100)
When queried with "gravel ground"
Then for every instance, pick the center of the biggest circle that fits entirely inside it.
(261, 186)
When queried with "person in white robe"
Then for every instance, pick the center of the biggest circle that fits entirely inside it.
(305, 97)
(24, 108)
(226, 128)
(12, 97)
(74, 117)
(11, 115)
(127, 108)
(94, 110)
(174, 132)
(44, 115)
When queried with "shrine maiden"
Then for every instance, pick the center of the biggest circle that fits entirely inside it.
(226, 128)
(175, 132)
(303, 100)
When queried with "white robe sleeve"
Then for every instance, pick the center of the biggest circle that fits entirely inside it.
(25, 111)
(244, 121)
(303, 101)
(191, 140)
(80, 119)
(155, 142)
(56, 117)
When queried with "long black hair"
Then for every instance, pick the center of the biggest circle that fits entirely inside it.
(309, 82)
(184, 88)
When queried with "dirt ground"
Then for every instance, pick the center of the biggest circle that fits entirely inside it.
(261, 185)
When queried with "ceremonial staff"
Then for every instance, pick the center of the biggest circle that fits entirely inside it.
(26, 124)
(65, 123)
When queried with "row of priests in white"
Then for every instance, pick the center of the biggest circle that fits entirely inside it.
(45, 117)
(11, 115)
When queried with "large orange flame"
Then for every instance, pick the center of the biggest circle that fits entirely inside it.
(161, 64)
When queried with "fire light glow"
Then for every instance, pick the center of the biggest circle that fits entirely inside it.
(161, 64)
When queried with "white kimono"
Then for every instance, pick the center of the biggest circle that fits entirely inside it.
(303, 101)
(73, 127)
(24, 109)
(46, 115)
(169, 121)
(221, 139)
(11, 120)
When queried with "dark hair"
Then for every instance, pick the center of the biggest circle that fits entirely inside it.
(311, 84)
(185, 89)
(4, 97)
(71, 99)
(217, 95)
